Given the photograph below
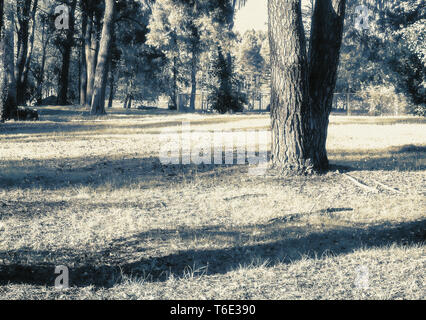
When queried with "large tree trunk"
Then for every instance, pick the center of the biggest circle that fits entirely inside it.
(66, 58)
(324, 52)
(8, 103)
(289, 92)
(98, 98)
(302, 92)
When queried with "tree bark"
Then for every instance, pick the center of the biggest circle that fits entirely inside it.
(111, 84)
(324, 51)
(23, 15)
(289, 92)
(92, 48)
(40, 76)
(83, 62)
(8, 103)
(3, 79)
(194, 64)
(112, 68)
(66, 58)
(302, 89)
(1, 16)
(98, 98)
(31, 43)
(125, 102)
(173, 93)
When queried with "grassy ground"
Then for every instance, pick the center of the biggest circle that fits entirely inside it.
(91, 194)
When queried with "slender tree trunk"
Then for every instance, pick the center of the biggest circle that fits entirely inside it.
(23, 10)
(3, 79)
(174, 94)
(40, 76)
(225, 80)
(98, 98)
(194, 64)
(125, 101)
(83, 61)
(111, 85)
(108, 66)
(31, 43)
(66, 58)
(92, 48)
(324, 52)
(40, 82)
(112, 69)
(8, 103)
(174, 86)
(126, 96)
(1, 16)
(289, 94)
(88, 54)
(104, 86)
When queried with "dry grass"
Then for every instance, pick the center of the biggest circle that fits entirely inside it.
(91, 194)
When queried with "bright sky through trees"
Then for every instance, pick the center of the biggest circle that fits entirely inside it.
(253, 16)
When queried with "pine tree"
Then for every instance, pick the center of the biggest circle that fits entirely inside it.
(301, 88)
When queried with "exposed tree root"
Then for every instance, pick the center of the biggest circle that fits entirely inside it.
(384, 186)
(361, 184)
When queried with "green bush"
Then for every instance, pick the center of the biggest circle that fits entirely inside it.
(224, 101)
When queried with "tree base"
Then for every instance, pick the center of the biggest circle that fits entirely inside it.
(306, 169)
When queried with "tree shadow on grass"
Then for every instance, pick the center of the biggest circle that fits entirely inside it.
(150, 172)
(401, 158)
(100, 171)
(278, 242)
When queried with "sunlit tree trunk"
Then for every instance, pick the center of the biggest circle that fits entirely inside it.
(101, 75)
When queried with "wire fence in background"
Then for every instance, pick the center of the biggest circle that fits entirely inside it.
(349, 103)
